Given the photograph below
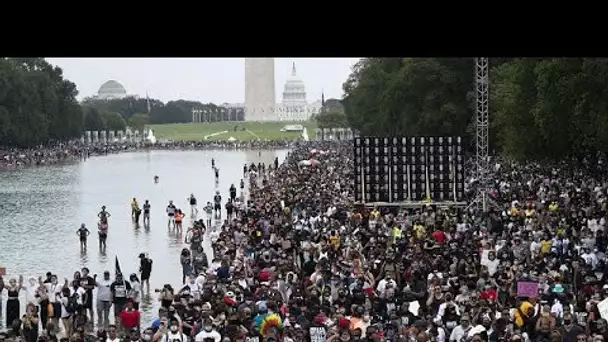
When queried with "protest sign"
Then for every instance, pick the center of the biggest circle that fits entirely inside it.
(527, 289)
(317, 334)
(602, 307)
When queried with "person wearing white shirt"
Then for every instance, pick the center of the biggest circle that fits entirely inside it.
(66, 316)
(382, 284)
(206, 332)
(557, 310)
(112, 336)
(135, 293)
(31, 290)
(491, 263)
(174, 334)
(104, 297)
(53, 290)
(461, 330)
(80, 292)
(192, 287)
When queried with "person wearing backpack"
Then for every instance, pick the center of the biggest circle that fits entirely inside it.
(69, 304)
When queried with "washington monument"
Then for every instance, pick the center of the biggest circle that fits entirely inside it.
(259, 90)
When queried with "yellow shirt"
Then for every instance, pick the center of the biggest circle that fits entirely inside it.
(396, 234)
(134, 205)
(514, 211)
(553, 206)
(334, 240)
(545, 246)
(529, 212)
(374, 214)
(419, 231)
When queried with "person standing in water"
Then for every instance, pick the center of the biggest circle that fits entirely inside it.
(83, 233)
(145, 270)
(134, 207)
(179, 217)
(232, 192)
(103, 215)
(88, 283)
(193, 208)
(120, 290)
(217, 175)
(213, 163)
(155, 179)
(209, 211)
(217, 205)
(171, 214)
(146, 213)
(104, 299)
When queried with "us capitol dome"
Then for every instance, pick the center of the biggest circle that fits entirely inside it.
(111, 90)
(294, 91)
(294, 105)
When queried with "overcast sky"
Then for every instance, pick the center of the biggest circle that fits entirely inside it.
(216, 80)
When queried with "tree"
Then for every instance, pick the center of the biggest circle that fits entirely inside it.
(93, 121)
(412, 96)
(139, 121)
(38, 105)
(541, 108)
(332, 119)
(113, 121)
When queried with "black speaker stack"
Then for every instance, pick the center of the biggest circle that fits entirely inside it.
(402, 169)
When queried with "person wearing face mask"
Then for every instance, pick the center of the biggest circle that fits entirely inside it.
(174, 334)
(208, 332)
(461, 330)
(570, 330)
(146, 335)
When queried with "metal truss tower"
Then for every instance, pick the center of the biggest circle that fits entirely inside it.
(482, 171)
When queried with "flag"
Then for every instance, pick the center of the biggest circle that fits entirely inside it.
(117, 269)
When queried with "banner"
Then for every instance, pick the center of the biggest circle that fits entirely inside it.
(95, 136)
(318, 134)
(111, 136)
(87, 137)
(102, 137)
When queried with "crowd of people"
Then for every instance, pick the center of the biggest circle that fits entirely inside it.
(302, 262)
(64, 152)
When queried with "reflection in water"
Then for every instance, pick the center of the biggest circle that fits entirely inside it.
(51, 202)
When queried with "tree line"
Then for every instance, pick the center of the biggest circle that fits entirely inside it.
(38, 106)
(539, 107)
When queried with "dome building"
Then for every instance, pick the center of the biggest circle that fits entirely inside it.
(111, 90)
(294, 104)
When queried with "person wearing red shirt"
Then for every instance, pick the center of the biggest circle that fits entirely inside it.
(489, 293)
(129, 317)
(439, 237)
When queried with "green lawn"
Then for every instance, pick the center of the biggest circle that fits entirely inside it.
(197, 131)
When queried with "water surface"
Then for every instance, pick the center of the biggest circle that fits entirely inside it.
(41, 209)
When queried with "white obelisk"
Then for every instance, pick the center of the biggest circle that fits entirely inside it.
(259, 90)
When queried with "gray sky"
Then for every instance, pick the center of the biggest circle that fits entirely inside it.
(216, 80)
